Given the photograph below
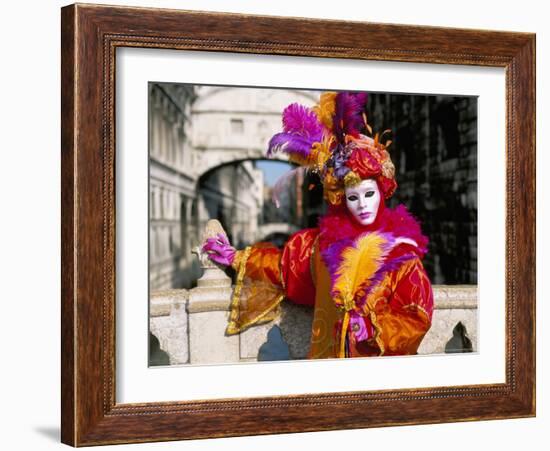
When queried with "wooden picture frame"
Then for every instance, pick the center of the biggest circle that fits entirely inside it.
(90, 36)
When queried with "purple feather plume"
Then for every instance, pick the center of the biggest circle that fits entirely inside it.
(301, 129)
(332, 255)
(302, 121)
(348, 117)
(290, 144)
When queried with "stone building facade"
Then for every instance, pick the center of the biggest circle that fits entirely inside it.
(203, 142)
(171, 184)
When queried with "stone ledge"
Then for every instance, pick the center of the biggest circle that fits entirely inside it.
(162, 302)
(445, 297)
(209, 299)
(455, 297)
(209, 306)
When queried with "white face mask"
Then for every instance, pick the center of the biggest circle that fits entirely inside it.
(363, 200)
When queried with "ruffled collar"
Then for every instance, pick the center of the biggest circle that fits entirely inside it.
(338, 225)
(357, 257)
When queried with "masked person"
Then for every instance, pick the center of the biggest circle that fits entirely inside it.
(361, 268)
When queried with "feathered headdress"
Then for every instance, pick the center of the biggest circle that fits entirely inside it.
(327, 139)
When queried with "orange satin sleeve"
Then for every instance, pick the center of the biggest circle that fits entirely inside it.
(404, 315)
(263, 263)
(266, 275)
(296, 267)
(258, 291)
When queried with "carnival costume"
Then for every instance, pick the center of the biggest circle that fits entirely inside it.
(369, 289)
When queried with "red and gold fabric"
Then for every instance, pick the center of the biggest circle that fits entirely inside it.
(266, 275)
(397, 311)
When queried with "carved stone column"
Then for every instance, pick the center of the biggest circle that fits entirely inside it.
(208, 312)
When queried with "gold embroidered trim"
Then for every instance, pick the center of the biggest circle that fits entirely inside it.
(314, 250)
(419, 307)
(232, 327)
(258, 318)
(371, 306)
(343, 335)
(281, 278)
(236, 263)
(378, 332)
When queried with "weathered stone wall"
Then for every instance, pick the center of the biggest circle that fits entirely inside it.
(434, 150)
(199, 139)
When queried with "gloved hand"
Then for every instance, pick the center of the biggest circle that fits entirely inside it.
(219, 250)
(359, 328)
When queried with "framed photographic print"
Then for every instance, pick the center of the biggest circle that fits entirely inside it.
(315, 230)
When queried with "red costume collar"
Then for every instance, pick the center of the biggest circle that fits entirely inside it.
(338, 224)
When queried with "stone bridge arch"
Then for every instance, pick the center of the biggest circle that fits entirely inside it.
(218, 158)
(237, 160)
(234, 193)
(233, 124)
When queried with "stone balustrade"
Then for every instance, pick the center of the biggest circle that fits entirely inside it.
(168, 322)
(190, 324)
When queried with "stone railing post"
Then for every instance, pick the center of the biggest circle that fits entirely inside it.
(168, 322)
(453, 304)
(208, 312)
